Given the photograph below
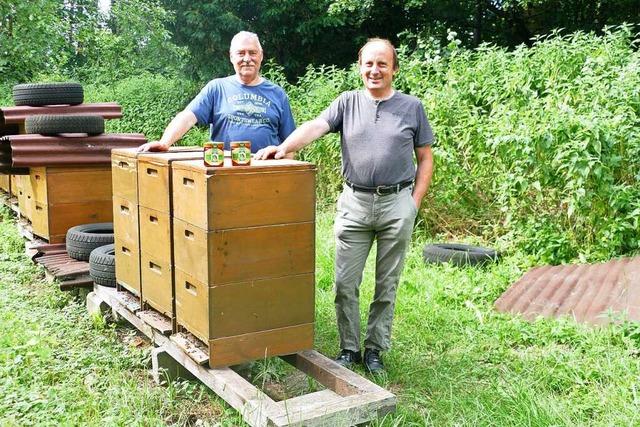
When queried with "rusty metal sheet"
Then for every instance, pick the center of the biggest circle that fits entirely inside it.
(592, 293)
(63, 267)
(33, 150)
(16, 115)
(48, 249)
(70, 273)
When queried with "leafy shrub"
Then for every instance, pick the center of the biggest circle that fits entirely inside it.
(148, 103)
(537, 146)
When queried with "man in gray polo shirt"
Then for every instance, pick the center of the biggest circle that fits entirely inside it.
(381, 130)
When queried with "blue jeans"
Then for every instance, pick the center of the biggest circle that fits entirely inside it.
(361, 219)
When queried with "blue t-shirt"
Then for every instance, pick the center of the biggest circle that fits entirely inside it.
(236, 112)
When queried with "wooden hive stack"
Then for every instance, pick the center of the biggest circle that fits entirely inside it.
(244, 246)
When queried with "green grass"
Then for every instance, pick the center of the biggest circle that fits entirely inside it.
(455, 361)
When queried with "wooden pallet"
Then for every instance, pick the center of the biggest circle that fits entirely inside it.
(348, 398)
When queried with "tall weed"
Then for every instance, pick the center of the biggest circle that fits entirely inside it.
(535, 148)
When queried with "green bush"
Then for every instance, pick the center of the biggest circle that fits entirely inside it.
(538, 146)
(148, 104)
(6, 95)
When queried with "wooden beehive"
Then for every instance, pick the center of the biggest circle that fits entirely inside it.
(142, 226)
(12, 184)
(22, 191)
(244, 247)
(124, 174)
(5, 183)
(61, 197)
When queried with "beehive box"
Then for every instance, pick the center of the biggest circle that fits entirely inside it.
(141, 185)
(124, 175)
(5, 182)
(12, 185)
(22, 191)
(156, 245)
(244, 247)
(127, 243)
(124, 171)
(63, 197)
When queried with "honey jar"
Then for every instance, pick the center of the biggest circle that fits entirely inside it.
(240, 153)
(213, 154)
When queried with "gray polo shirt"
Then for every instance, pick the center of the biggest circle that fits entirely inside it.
(378, 137)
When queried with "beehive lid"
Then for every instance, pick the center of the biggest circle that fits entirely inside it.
(165, 157)
(256, 166)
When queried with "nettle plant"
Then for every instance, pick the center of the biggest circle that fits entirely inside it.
(536, 147)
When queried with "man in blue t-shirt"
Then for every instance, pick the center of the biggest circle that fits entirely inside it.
(241, 107)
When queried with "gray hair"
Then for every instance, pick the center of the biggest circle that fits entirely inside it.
(245, 35)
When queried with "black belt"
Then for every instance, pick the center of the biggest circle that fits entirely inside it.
(380, 189)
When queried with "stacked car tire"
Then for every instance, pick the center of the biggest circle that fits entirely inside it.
(94, 243)
(41, 94)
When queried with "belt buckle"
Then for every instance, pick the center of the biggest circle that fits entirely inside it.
(379, 188)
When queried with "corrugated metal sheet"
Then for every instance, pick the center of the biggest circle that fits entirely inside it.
(63, 267)
(588, 293)
(37, 150)
(69, 272)
(108, 110)
(48, 249)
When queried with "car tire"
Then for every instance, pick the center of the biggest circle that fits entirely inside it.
(102, 265)
(39, 94)
(82, 239)
(53, 124)
(458, 254)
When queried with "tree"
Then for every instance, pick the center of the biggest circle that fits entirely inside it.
(504, 22)
(295, 33)
(32, 38)
(130, 39)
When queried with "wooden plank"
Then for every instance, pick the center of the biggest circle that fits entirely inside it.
(80, 282)
(25, 229)
(157, 321)
(197, 351)
(328, 373)
(249, 401)
(349, 400)
(323, 399)
(111, 297)
(347, 411)
(129, 301)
